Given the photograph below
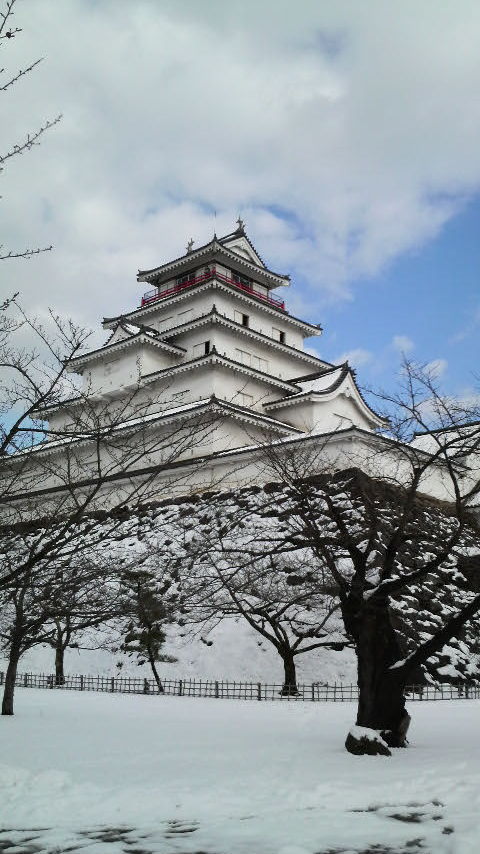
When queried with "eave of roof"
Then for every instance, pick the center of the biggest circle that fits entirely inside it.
(341, 435)
(466, 425)
(157, 305)
(51, 407)
(206, 252)
(140, 337)
(301, 396)
(234, 410)
(222, 319)
(215, 358)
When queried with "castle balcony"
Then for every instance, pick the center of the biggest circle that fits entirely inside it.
(155, 295)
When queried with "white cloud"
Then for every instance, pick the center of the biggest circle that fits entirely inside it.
(356, 358)
(436, 368)
(469, 329)
(402, 343)
(344, 132)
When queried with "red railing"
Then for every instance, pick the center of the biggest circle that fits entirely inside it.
(152, 296)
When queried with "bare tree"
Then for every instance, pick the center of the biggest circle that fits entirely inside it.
(48, 602)
(8, 31)
(236, 570)
(80, 474)
(379, 538)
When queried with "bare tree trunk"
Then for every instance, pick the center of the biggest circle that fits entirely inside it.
(10, 676)
(289, 687)
(381, 704)
(59, 661)
(156, 675)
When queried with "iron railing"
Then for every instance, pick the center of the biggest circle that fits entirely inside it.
(154, 295)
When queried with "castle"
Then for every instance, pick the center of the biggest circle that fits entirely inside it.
(207, 370)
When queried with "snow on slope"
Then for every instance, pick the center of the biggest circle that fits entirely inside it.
(110, 774)
(237, 653)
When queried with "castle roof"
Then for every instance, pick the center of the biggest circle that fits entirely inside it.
(217, 317)
(184, 295)
(226, 247)
(133, 335)
(325, 385)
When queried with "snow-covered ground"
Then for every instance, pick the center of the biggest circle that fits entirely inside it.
(236, 652)
(115, 773)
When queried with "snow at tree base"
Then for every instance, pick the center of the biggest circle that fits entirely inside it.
(109, 774)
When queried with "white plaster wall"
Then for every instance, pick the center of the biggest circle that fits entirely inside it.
(121, 369)
(323, 415)
(165, 316)
(321, 454)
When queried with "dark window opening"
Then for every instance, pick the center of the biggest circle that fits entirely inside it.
(245, 319)
(242, 280)
(281, 338)
(207, 347)
(187, 277)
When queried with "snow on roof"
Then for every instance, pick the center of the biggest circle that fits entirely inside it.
(326, 381)
(164, 414)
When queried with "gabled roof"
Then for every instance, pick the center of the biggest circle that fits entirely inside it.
(241, 236)
(325, 386)
(216, 247)
(142, 336)
(130, 328)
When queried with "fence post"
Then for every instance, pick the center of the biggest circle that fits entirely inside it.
(146, 687)
(112, 684)
(259, 690)
(25, 680)
(50, 681)
(81, 683)
(216, 690)
(180, 687)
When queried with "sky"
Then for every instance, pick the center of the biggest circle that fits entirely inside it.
(344, 133)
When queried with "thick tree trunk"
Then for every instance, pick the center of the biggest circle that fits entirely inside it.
(9, 687)
(289, 687)
(381, 704)
(59, 663)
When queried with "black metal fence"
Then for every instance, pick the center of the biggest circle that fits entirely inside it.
(227, 690)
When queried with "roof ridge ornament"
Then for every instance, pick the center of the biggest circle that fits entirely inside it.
(190, 246)
(241, 224)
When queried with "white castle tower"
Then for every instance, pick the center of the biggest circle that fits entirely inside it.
(196, 381)
(213, 331)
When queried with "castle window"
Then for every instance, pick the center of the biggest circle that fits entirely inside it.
(202, 349)
(259, 364)
(243, 356)
(185, 316)
(242, 280)
(242, 319)
(187, 277)
(244, 399)
(166, 323)
(278, 334)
